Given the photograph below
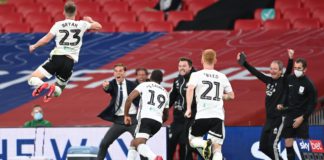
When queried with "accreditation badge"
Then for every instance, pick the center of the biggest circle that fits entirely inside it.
(301, 89)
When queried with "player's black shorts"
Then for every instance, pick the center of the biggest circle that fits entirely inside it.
(147, 127)
(61, 66)
(214, 127)
(290, 132)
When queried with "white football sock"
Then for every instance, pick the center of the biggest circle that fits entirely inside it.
(145, 151)
(35, 82)
(132, 153)
(218, 155)
(197, 142)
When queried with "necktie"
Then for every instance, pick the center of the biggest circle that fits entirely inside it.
(120, 97)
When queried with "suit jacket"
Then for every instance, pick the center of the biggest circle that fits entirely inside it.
(108, 113)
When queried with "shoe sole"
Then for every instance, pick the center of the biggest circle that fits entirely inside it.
(38, 90)
(206, 150)
(50, 93)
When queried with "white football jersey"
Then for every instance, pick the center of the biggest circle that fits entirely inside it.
(210, 87)
(69, 35)
(154, 98)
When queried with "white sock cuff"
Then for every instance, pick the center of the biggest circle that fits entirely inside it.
(35, 81)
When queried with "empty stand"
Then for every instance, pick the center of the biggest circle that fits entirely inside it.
(319, 13)
(42, 27)
(108, 27)
(282, 5)
(114, 6)
(131, 27)
(140, 7)
(176, 16)
(160, 27)
(85, 7)
(54, 8)
(97, 16)
(306, 23)
(38, 17)
(247, 24)
(280, 24)
(148, 3)
(119, 17)
(196, 6)
(258, 13)
(10, 18)
(7, 8)
(17, 28)
(311, 4)
(151, 16)
(295, 13)
(25, 8)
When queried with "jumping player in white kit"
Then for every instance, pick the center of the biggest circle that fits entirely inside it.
(211, 89)
(152, 113)
(68, 33)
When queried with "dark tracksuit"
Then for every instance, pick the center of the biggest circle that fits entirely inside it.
(272, 129)
(179, 128)
(299, 100)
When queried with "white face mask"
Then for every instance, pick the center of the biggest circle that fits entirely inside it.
(298, 73)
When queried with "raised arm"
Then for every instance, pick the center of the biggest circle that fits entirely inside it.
(94, 24)
(290, 62)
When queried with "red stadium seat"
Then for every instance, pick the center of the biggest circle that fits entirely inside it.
(282, 5)
(38, 17)
(42, 27)
(82, 1)
(160, 27)
(119, 17)
(114, 6)
(131, 27)
(44, 2)
(306, 23)
(11, 18)
(84, 7)
(150, 3)
(176, 16)
(196, 6)
(7, 8)
(247, 24)
(295, 13)
(280, 24)
(19, 2)
(151, 16)
(58, 17)
(258, 13)
(17, 28)
(97, 16)
(108, 27)
(54, 8)
(311, 4)
(102, 2)
(140, 7)
(319, 14)
(26, 8)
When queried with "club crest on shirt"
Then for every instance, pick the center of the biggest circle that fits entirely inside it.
(301, 90)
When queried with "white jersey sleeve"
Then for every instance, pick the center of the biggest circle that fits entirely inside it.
(154, 98)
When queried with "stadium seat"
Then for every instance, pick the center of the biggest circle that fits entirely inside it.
(295, 13)
(119, 17)
(319, 14)
(7, 8)
(247, 24)
(196, 6)
(54, 8)
(306, 23)
(85, 7)
(82, 1)
(102, 2)
(176, 16)
(282, 5)
(42, 27)
(37, 17)
(160, 27)
(266, 14)
(311, 4)
(131, 27)
(25, 8)
(108, 27)
(58, 17)
(16, 28)
(114, 6)
(150, 3)
(44, 2)
(11, 18)
(97, 16)
(19, 2)
(280, 24)
(149, 16)
(140, 7)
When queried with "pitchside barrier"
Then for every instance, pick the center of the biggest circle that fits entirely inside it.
(241, 143)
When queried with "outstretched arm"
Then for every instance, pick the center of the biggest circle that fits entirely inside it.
(94, 24)
(189, 96)
(47, 38)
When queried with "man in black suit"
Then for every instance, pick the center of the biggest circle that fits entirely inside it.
(118, 88)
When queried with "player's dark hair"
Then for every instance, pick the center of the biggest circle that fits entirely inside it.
(70, 8)
(187, 60)
(302, 61)
(120, 65)
(141, 69)
(156, 76)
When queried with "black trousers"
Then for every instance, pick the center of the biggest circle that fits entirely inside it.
(270, 137)
(178, 134)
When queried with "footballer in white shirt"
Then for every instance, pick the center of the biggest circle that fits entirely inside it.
(68, 35)
(152, 113)
(211, 88)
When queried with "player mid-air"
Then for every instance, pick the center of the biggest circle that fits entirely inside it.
(68, 35)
